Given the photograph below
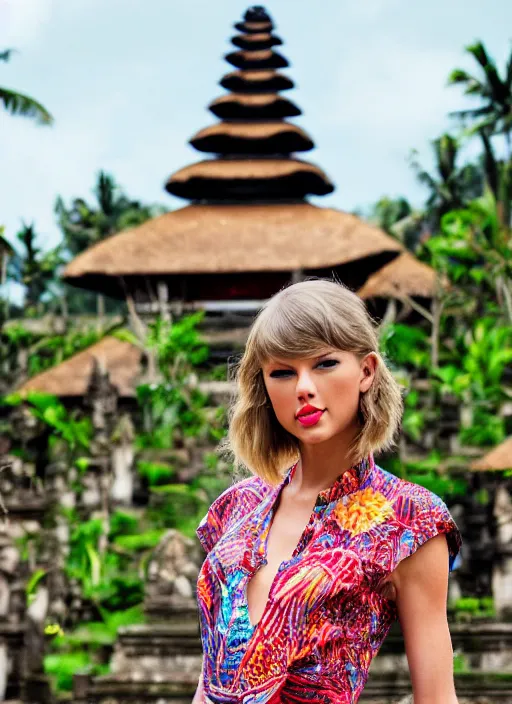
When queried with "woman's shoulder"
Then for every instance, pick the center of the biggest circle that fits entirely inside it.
(233, 503)
(418, 510)
(245, 492)
(404, 493)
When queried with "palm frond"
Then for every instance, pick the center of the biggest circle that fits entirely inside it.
(458, 75)
(6, 54)
(475, 112)
(498, 87)
(18, 104)
(508, 75)
(445, 149)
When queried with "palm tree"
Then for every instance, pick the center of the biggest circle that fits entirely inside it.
(33, 269)
(84, 224)
(19, 104)
(495, 92)
(450, 186)
(498, 175)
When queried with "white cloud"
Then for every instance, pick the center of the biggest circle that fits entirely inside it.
(23, 21)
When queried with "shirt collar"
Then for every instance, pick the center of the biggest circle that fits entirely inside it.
(353, 479)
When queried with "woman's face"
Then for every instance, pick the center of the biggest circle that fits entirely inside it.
(331, 382)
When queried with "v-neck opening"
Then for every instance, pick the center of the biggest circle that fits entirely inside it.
(263, 547)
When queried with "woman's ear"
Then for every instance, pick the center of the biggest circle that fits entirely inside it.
(368, 371)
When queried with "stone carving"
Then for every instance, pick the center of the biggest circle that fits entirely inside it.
(172, 576)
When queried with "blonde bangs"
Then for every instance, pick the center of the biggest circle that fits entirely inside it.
(290, 327)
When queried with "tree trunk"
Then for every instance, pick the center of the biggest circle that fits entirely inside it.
(100, 309)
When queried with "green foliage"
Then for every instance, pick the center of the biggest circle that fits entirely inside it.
(84, 224)
(217, 373)
(494, 112)
(123, 523)
(425, 472)
(156, 473)
(76, 432)
(450, 186)
(34, 270)
(474, 608)
(178, 346)
(44, 352)
(50, 351)
(142, 541)
(405, 346)
(460, 663)
(474, 252)
(173, 409)
(61, 667)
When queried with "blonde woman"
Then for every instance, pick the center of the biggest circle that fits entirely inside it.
(311, 559)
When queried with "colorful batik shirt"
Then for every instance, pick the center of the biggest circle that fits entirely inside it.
(324, 619)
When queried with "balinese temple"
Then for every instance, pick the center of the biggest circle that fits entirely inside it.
(249, 227)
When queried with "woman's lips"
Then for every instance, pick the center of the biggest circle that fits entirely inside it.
(310, 418)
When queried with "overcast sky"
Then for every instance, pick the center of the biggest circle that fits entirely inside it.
(128, 82)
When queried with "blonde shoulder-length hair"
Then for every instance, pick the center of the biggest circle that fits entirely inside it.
(298, 322)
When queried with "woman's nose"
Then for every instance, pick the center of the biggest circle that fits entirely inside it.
(305, 386)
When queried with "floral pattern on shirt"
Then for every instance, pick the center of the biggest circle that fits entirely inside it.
(324, 619)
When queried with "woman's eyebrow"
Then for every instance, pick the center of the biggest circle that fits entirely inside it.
(287, 363)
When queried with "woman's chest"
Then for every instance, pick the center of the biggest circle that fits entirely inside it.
(287, 553)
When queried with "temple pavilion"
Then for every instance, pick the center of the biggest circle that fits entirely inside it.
(248, 229)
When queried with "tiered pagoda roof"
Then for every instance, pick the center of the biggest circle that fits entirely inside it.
(249, 219)
(254, 150)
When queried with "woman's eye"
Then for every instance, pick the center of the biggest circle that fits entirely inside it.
(283, 373)
(329, 362)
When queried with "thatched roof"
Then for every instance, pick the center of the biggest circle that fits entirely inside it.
(72, 377)
(249, 179)
(499, 458)
(254, 27)
(256, 81)
(404, 276)
(266, 106)
(247, 60)
(233, 238)
(255, 42)
(252, 138)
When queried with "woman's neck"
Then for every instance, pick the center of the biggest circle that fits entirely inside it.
(320, 464)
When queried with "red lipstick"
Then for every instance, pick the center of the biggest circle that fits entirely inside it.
(309, 415)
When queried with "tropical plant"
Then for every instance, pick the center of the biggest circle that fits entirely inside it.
(474, 254)
(65, 425)
(35, 270)
(498, 174)
(450, 186)
(398, 219)
(84, 224)
(20, 104)
(495, 94)
(173, 405)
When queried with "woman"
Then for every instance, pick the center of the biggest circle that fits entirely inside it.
(306, 571)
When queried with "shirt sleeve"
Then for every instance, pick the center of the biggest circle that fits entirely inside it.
(425, 516)
(233, 504)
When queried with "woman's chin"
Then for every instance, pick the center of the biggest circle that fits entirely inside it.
(314, 436)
